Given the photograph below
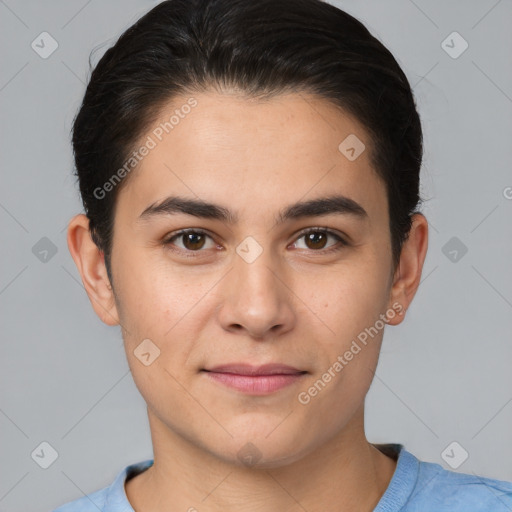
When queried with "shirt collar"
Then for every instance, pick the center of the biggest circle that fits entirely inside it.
(396, 495)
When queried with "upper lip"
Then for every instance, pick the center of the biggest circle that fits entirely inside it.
(248, 369)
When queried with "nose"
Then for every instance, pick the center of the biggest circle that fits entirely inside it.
(257, 297)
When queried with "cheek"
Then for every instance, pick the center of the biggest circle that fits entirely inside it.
(153, 297)
(351, 299)
(350, 355)
(169, 308)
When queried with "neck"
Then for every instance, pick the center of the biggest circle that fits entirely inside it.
(346, 473)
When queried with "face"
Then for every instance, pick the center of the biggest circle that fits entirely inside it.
(254, 281)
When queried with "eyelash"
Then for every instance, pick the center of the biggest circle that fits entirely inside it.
(342, 243)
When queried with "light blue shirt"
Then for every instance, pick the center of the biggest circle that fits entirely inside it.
(416, 486)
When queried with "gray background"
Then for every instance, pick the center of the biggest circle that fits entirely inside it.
(444, 374)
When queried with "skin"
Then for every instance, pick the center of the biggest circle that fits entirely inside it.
(295, 304)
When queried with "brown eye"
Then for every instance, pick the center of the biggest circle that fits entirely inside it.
(316, 240)
(192, 240)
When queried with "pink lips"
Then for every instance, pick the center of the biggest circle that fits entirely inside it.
(255, 380)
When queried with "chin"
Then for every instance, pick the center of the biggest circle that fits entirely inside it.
(267, 449)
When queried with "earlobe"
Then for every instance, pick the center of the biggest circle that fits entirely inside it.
(408, 273)
(91, 266)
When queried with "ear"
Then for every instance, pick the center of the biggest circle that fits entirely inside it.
(408, 272)
(91, 265)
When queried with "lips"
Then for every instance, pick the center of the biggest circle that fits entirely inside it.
(247, 369)
(255, 380)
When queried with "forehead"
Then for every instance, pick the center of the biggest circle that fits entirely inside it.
(252, 154)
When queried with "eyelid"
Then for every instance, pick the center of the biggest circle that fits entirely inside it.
(322, 229)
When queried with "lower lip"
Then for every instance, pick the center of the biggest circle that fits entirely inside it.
(255, 384)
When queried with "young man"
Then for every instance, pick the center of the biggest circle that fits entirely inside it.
(250, 176)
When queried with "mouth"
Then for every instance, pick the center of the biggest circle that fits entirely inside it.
(255, 380)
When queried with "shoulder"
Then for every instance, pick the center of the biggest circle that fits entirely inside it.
(419, 486)
(90, 503)
(109, 499)
(446, 490)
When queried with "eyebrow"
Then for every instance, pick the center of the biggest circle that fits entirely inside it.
(331, 205)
